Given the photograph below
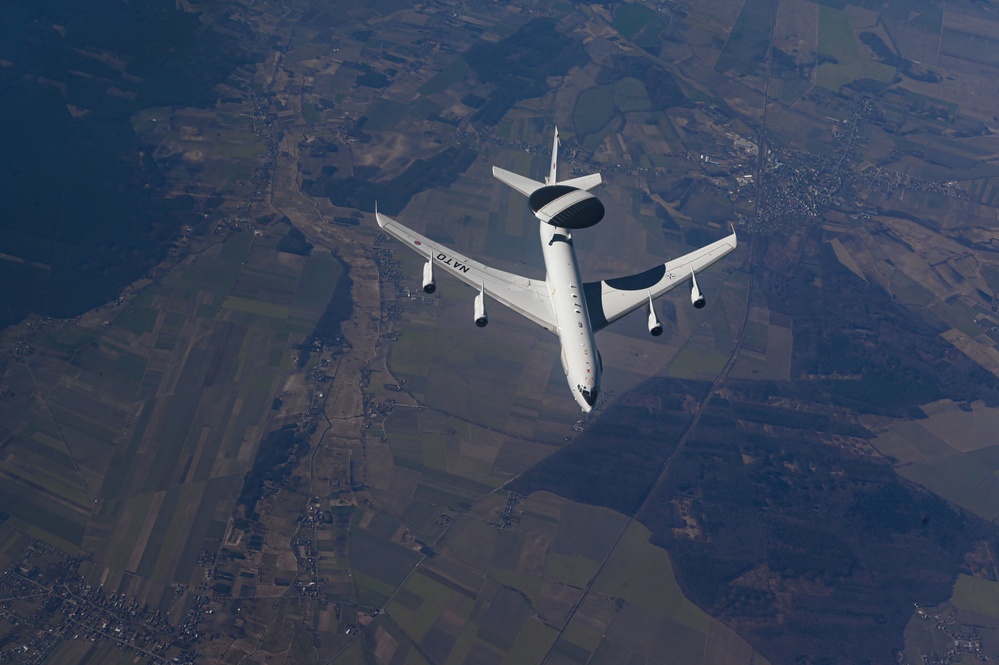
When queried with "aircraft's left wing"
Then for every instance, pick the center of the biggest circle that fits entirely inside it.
(527, 297)
(609, 300)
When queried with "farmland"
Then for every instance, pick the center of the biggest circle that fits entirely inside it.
(278, 439)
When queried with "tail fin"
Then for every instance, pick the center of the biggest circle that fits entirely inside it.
(551, 179)
(527, 186)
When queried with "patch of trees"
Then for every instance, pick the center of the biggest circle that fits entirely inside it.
(662, 87)
(615, 462)
(782, 64)
(847, 544)
(842, 535)
(678, 189)
(520, 65)
(294, 241)
(373, 79)
(338, 309)
(12, 637)
(698, 236)
(276, 458)
(361, 191)
(77, 195)
(885, 54)
(879, 357)
(806, 420)
(473, 100)
(881, 50)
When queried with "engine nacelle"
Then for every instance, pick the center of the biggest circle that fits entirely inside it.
(429, 285)
(481, 319)
(655, 327)
(696, 297)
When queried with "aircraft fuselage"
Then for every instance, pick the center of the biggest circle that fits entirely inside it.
(580, 359)
(559, 303)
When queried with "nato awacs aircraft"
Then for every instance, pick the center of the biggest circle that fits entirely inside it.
(562, 303)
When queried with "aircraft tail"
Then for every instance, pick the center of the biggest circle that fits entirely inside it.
(527, 186)
(551, 179)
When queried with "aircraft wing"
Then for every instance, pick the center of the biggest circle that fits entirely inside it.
(609, 300)
(528, 297)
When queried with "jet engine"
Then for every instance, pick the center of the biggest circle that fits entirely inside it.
(429, 285)
(655, 328)
(481, 320)
(566, 207)
(696, 297)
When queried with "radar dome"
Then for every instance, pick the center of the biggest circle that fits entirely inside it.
(566, 207)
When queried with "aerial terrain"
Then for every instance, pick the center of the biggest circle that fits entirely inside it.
(233, 429)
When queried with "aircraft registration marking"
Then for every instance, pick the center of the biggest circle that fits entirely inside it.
(448, 261)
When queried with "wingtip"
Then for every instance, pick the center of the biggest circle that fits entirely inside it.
(380, 218)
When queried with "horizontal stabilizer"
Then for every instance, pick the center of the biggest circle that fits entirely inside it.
(586, 182)
(525, 186)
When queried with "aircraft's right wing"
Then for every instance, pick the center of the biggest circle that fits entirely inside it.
(609, 300)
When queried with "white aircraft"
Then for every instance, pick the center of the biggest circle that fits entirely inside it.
(563, 303)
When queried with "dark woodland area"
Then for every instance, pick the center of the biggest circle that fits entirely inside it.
(85, 214)
(512, 65)
(758, 498)
(362, 191)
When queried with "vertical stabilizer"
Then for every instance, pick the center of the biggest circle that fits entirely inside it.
(526, 186)
(551, 179)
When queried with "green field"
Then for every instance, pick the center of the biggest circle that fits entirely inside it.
(256, 307)
(446, 77)
(418, 605)
(640, 573)
(638, 23)
(696, 362)
(533, 640)
(572, 570)
(977, 595)
(746, 48)
(594, 109)
(630, 95)
(960, 479)
(157, 415)
(838, 41)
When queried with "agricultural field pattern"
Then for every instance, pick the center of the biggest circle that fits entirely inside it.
(233, 428)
